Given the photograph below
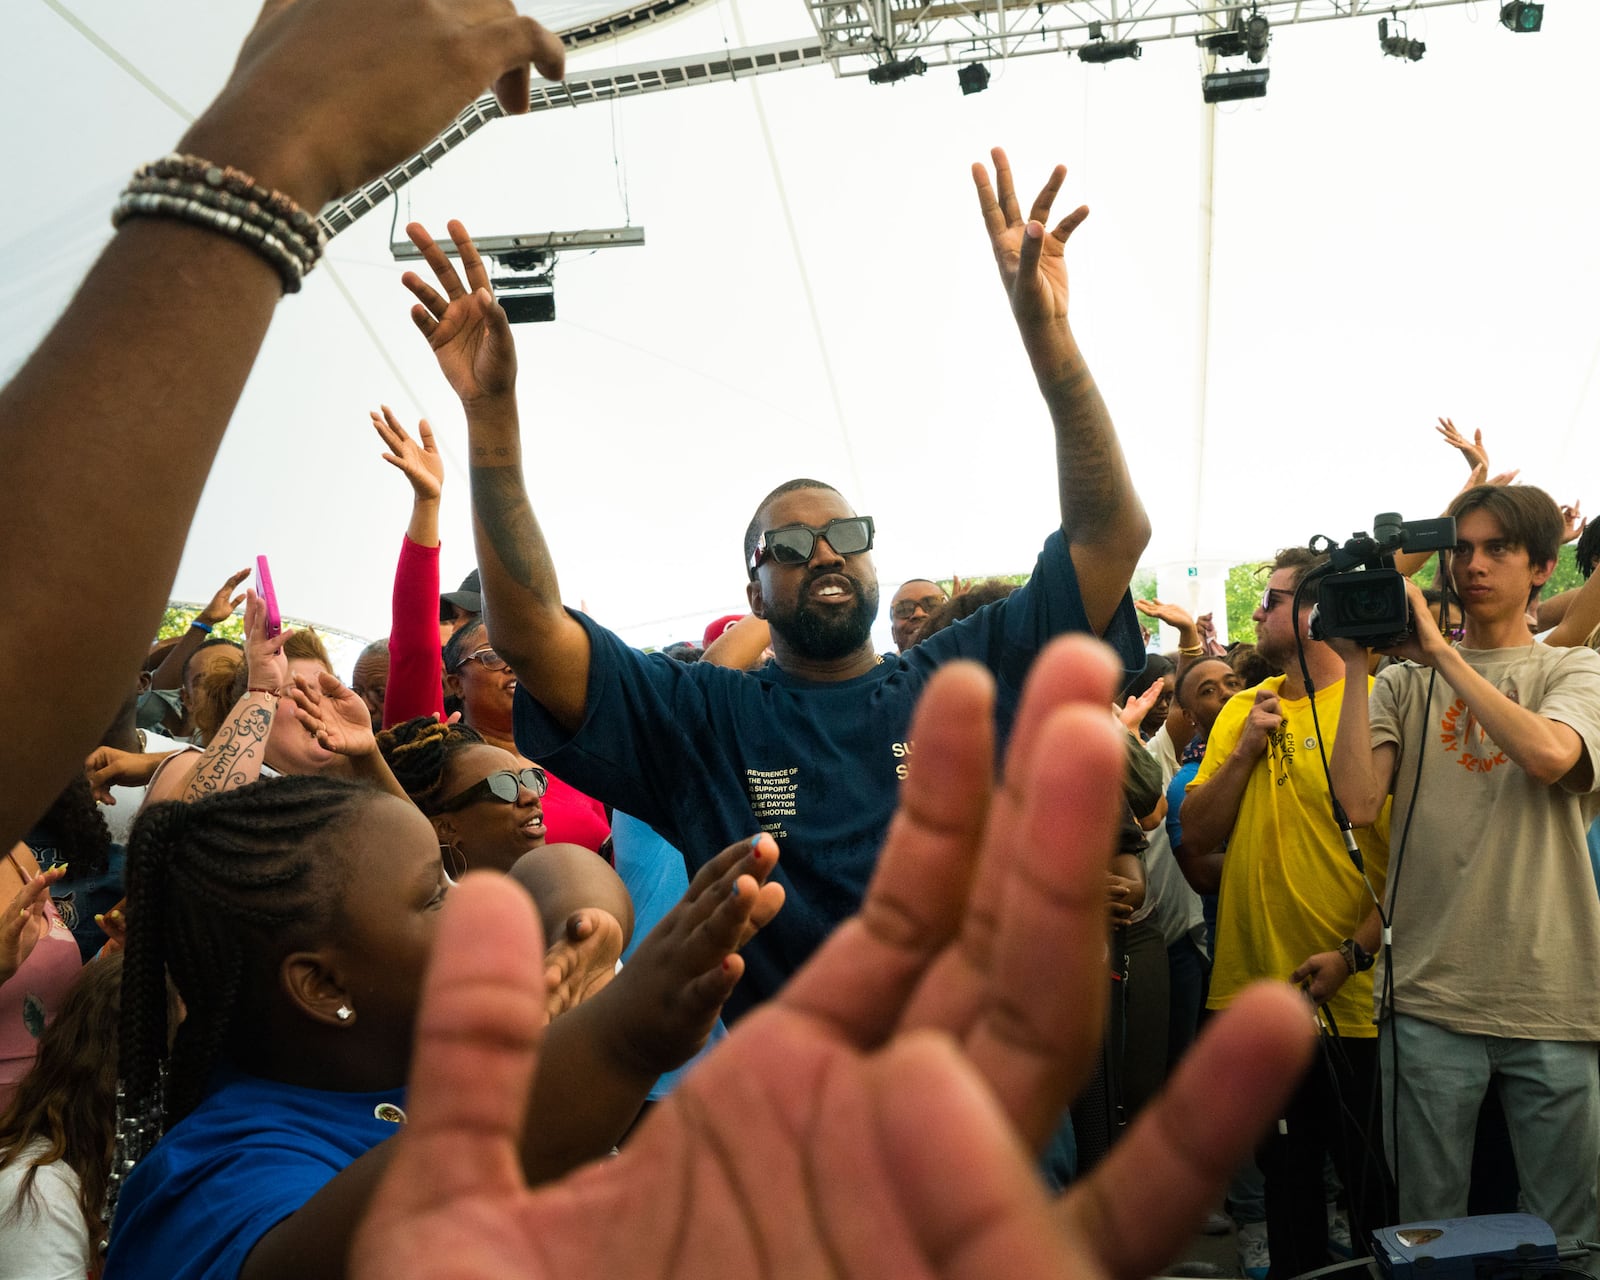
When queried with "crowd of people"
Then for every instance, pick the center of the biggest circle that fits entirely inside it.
(523, 950)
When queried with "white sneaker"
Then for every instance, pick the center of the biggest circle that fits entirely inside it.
(1339, 1246)
(1254, 1260)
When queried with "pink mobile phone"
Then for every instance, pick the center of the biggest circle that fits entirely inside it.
(269, 597)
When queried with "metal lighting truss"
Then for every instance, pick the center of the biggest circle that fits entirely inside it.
(858, 35)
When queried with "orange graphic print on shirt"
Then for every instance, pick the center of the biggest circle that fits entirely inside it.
(1464, 737)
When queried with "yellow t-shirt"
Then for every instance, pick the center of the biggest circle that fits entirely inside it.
(1289, 889)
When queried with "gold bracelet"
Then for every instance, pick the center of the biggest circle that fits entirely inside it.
(1190, 651)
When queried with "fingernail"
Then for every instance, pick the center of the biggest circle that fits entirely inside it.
(734, 891)
(727, 963)
(99, 918)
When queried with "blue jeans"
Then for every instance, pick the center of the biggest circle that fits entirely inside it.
(1550, 1090)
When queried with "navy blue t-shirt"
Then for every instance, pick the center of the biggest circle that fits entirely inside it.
(709, 756)
(252, 1153)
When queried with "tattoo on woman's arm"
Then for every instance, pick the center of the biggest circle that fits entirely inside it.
(224, 766)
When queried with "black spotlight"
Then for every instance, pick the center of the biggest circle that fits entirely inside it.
(1230, 86)
(1521, 17)
(1257, 35)
(974, 77)
(889, 72)
(1109, 50)
(1399, 46)
(1225, 44)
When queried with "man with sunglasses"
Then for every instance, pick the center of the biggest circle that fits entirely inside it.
(812, 747)
(1258, 830)
(911, 608)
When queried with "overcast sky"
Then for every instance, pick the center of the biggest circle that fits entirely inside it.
(1391, 241)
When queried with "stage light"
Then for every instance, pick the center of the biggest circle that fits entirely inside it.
(1225, 44)
(1521, 17)
(1257, 35)
(889, 72)
(1230, 86)
(974, 78)
(1109, 50)
(1399, 46)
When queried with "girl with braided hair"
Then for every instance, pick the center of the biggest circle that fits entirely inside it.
(295, 917)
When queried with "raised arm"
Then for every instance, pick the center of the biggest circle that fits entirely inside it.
(169, 675)
(1101, 515)
(1361, 775)
(238, 749)
(1477, 459)
(324, 95)
(471, 338)
(415, 668)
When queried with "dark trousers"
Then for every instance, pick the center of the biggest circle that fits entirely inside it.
(1330, 1113)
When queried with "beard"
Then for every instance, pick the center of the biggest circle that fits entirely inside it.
(826, 634)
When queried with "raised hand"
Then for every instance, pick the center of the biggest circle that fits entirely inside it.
(1472, 450)
(264, 658)
(224, 602)
(327, 95)
(418, 460)
(1175, 616)
(1031, 258)
(465, 327)
(970, 989)
(23, 921)
(1134, 710)
(335, 715)
(1573, 521)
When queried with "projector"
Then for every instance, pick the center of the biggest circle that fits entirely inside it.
(1460, 1248)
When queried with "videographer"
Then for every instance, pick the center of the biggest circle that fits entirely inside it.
(1288, 889)
(1496, 929)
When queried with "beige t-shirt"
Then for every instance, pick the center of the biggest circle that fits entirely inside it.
(1495, 917)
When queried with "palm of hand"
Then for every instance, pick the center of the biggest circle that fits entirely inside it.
(346, 724)
(790, 1119)
(472, 353)
(582, 966)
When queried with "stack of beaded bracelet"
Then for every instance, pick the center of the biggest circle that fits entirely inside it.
(228, 201)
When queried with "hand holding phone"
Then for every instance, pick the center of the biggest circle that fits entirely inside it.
(269, 597)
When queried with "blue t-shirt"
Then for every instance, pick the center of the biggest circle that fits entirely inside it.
(654, 874)
(709, 756)
(1176, 790)
(252, 1153)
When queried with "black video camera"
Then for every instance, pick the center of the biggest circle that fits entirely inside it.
(1360, 594)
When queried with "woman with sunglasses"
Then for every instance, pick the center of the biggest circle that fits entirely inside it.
(486, 805)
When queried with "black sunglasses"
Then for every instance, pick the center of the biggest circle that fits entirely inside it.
(794, 543)
(503, 785)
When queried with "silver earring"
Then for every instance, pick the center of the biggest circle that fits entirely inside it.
(345, 1012)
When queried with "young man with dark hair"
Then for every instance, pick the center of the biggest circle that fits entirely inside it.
(1489, 751)
(1258, 830)
(911, 608)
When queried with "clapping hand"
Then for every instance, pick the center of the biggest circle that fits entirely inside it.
(20, 920)
(970, 988)
(336, 716)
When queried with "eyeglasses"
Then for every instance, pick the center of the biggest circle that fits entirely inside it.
(905, 610)
(794, 543)
(1272, 596)
(486, 657)
(503, 785)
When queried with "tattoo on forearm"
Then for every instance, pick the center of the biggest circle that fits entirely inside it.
(1093, 476)
(235, 755)
(500, 503)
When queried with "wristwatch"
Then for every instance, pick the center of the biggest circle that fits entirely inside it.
(1356, 957)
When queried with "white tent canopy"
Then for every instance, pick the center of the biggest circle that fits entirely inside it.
(1374, 243)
